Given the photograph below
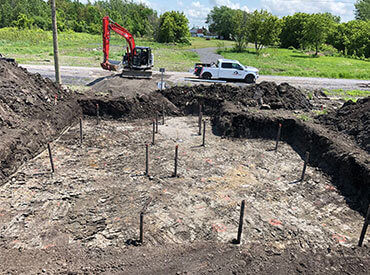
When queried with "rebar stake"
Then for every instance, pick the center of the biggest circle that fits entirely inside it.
(97, 114)
(153, 138)
(364, 227)
(147, 159)
(278, 137)
(51, 159)
(176, 156)
(162, 114)
(241, 219)
(141, 240)
(200, 120)
(81, 134)
(204, 133)
(156, 123)
(305, 165)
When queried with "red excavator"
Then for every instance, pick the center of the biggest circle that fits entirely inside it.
(136, 63)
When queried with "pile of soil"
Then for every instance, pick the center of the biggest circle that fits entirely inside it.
(267, 95)
(33, 110)
(352, 119)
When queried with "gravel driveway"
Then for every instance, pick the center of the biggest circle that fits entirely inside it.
(207, 55)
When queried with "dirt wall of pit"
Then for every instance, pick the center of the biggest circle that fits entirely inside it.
(345, 162)
(33, 112)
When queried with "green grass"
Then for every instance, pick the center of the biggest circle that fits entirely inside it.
(274, 61)
(81, 49)
(347, 95)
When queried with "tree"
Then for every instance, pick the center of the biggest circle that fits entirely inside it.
(362, 9)
(173, 27)
(220, 21)
(292, 30)
(316, 30)
(240, 32)
(263, 29)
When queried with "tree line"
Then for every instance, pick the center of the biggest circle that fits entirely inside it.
(73, 15)
(300, 31)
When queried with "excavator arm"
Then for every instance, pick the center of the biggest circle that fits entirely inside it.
(109, 25)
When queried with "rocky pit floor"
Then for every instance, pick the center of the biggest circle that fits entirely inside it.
(94, 198)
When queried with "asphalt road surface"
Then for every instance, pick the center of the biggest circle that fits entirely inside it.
(82, 76)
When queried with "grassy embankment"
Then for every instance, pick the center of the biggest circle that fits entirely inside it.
(274, 61)
(81, 49)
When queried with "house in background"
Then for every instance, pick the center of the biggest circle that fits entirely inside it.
(196, 32)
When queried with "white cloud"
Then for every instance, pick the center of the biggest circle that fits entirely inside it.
(180, 3)
(281, 7)
(145, 2)
(229, 4)
(197, 13)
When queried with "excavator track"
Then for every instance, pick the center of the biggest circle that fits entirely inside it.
(136, 74)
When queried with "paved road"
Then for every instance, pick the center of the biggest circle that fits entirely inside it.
(85, 75)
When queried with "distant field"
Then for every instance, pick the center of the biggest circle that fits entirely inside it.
(273, 61)
(81, 49)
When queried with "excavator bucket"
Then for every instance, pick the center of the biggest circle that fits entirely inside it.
(112, 65)
(136, 74)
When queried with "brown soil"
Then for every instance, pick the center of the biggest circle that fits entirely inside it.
(84, 217)
(352, 119)
(29, 115)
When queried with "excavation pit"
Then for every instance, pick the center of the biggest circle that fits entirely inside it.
(99, 189)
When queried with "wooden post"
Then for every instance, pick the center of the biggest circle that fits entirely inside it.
(241, 219)
(364, 227)
(305, 165)
(51, 159)
(55, 42)
(278, 137)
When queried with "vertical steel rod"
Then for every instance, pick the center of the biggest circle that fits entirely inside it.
(162, 114)
(176, 156)
(278, 137)
(241, 219)
(147, 159)
(204, 133)
(141, 240)
(51, 159)
(81, 134)
(305, 165)
(153, 138)
(200, 120)
(156, 122)
(364, 227)
(97, 114)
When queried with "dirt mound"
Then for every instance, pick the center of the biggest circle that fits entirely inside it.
(32, 111)
(131, 107)
(267, 95)
(352, 119)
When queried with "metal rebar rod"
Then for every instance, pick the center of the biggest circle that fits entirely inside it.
(204, 133)
(278, 137)
(364, 227)
(176, 157)
(241, 219)
(147, 159)
(51, 159)
(153, 138)
(81, 134)
(305, 165)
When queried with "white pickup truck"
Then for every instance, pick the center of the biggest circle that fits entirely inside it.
(226, 69)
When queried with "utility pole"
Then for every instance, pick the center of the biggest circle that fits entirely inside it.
(55, 43)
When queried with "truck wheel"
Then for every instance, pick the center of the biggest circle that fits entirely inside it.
(207, 75)
(250, 79)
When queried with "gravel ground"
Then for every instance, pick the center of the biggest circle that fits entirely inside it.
(208, 55)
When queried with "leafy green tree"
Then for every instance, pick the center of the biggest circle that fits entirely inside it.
(23, 22)
(240, 30)
(362, 9)
(292, 30)
(316, 30)
(263, 29)
(173, 27)
(220, 21)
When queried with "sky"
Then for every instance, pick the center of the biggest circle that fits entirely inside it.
(196, 10)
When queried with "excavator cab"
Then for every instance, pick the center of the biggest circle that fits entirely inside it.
(141, 60)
